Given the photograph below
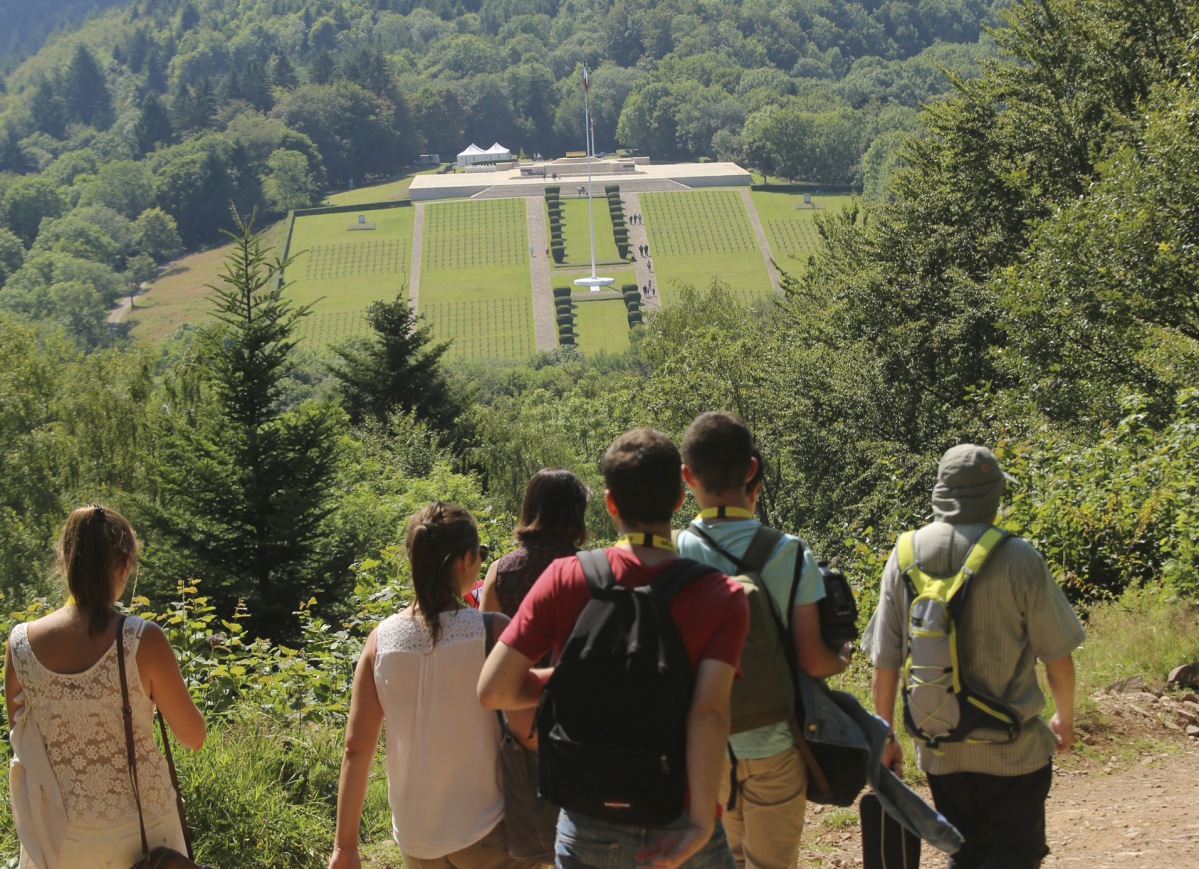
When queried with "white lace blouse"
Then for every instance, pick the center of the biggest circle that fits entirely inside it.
(442, 746)
(79, 715)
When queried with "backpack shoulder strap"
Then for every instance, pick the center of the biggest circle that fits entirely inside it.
(756, 554)
(596, 569)
(800, 550)
(981, 550)
(762, 547)
(905, 551)
(488, 642)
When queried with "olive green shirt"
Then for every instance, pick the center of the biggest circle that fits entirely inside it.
(1015, 613)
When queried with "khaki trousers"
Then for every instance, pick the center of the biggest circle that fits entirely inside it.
(490, 852)
(765, 824)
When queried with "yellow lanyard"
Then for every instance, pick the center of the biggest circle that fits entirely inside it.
(725, 513)
(652, 540)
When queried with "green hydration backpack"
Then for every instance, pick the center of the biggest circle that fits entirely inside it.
(765, 693)
(938, 706)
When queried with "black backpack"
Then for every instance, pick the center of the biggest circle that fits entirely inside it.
(612, 720)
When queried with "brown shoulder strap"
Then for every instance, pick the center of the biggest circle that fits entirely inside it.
(127, 714)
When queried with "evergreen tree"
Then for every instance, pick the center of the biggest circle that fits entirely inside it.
(320, 71)
(47, 109)
(153, 125)
(85, 91)
(243, 484)
(399, 367)
(283, 74)
(12, 156)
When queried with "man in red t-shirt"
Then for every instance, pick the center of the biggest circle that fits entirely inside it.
(644, 487)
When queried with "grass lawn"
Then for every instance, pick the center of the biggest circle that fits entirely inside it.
(601, 325)
(791, 226)
(699, 235)
(475, 282)
(340, 270)
(576, 232)
(181, 294)
(388, 190)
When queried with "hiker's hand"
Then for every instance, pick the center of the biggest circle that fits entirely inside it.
(345, 858)
(1063, 730)
(893, 758)
(674, 848)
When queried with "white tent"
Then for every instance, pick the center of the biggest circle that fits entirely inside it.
(473, 155)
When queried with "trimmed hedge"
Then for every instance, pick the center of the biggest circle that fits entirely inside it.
(561, 292)
(559, 253)
(635, 318)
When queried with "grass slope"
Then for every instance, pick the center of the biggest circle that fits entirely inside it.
(181, 294)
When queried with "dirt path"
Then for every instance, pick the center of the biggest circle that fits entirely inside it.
(1128, 801)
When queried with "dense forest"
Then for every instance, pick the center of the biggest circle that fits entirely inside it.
(1027, 279)
(124, 140)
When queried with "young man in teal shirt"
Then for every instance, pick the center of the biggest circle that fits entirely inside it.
(723, 468)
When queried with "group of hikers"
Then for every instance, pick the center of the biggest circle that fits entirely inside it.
(616, 672)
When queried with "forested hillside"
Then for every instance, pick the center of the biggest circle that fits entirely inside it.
(26, 25)
(123, 142)
(1028, 281)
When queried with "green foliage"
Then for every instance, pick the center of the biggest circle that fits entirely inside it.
(398, 367)
(242, 493)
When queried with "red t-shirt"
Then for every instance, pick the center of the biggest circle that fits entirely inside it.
(711, 613)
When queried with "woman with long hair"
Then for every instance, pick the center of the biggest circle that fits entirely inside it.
(553, 517)
(418, 672)
(73, 801)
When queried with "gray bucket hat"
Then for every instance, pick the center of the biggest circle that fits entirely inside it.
(970, 484)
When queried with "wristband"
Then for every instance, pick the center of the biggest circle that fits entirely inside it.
(890, 738)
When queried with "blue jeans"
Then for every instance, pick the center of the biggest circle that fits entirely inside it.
(589, 843)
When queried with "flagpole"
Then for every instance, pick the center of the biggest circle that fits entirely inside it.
(590, 148)
(594, 282)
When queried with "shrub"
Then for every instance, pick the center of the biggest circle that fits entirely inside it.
(566, 319)
(560, 292)
(559, 253)
(635, 318)
(553, 191)
(622, 249)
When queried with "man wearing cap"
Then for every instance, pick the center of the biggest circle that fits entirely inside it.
(1014, 614)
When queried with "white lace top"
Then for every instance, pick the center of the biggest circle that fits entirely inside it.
(442, 746)
(79, 715)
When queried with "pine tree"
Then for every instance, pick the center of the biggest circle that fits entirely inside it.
(153, 124)
(85, 91)
(284, 74)
(398, 368)
(243, 484)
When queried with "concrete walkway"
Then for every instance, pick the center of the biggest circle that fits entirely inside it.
(545, 331)
(756, 223)
(637, 237)
(418, 235)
